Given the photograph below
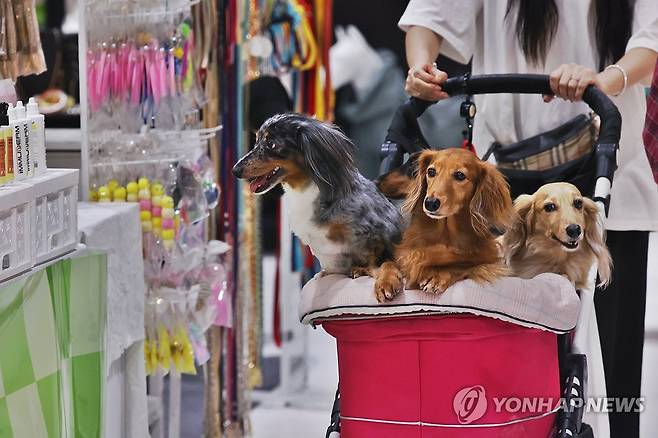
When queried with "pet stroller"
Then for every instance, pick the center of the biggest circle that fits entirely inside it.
(478, 360)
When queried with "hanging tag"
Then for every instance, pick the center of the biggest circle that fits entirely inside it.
(260, 46)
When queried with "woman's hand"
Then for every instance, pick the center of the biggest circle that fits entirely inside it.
(424, 82)
(569, 82)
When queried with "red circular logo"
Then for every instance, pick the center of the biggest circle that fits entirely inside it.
(470, 404)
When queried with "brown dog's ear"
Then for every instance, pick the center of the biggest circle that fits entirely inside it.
(399, 182)
(419, 187)
(515, 238)
(595, 237)
(491, 206)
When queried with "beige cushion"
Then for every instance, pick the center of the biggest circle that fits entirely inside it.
(547, 302)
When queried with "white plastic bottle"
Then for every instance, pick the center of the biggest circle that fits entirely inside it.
(20, 168)
(25, 127)
(38, 136)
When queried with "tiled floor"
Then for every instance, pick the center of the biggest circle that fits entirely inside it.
(308, 412)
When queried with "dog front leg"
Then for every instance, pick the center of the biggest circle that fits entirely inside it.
(388, 282)
(437, 280)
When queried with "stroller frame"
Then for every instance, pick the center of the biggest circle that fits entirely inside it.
(405, 137)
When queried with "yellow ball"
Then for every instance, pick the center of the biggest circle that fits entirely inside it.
(157, 189)
(145, 216)
(119, 194)
(146, 226)
(143, 183)
(132, 187)
(167, 202)
(167, 213)
(157, 222)
(144, 194)
(157, 231)
(167, 234)
(112, 184)
(103, 192)
(156, 200)
(93, 196)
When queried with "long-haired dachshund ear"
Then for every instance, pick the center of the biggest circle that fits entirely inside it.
(595, 237)
(399, 182)
(330, 155)
(491, 206)
(515, 237)
(419, 187)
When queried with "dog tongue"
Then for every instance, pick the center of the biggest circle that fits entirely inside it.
(257, 183)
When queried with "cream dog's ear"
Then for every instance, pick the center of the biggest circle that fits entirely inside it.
(595, 236)
(515, 238)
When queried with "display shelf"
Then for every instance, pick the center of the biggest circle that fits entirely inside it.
(38, 220)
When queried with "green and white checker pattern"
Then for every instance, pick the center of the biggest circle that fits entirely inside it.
(51, 351)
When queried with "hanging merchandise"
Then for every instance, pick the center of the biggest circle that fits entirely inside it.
(142, 72)
(149, 129)
(145, 145)
(20, 44)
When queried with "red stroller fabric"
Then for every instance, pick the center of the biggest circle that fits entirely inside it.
(444, 376)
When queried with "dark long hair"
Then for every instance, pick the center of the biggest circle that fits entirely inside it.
(537, 20)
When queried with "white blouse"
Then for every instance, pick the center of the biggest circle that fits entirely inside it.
(479, 29)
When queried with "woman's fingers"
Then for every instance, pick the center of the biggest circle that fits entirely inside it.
(422, 90)
(555, 77)
(583, 83)
(563, 85)
(438, 76)
(422, 74)
(569, 81)
(424, 82)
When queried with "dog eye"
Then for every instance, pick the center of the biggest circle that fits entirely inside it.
(550, 207)
(578, 203)
(270, 145)
(431, 172)
(459, 175)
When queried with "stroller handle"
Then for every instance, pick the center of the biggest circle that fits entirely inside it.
(405, 132)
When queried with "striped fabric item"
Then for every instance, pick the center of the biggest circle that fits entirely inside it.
(569, 150)
(51, 366)
(650, 134)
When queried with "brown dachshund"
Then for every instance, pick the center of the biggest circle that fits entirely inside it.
(457, 206)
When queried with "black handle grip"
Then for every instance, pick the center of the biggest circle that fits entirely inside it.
(404, 129)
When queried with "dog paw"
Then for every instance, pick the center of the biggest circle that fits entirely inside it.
(388, 287)
(437, 281)
(360, 271)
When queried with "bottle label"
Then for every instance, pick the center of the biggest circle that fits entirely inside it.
(27, 148)
(10, 152)
(34, 135)
(18, 146)
(3, 157)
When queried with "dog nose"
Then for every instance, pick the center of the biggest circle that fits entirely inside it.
(237, 170)
(432, 204)
(573, 230)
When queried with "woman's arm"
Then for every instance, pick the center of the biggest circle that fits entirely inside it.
(422, 45)
(570, 80)
(424, 79)
(638, 64)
